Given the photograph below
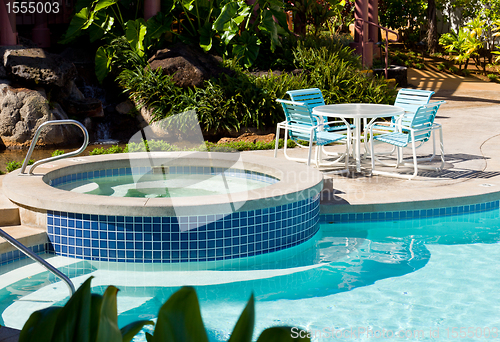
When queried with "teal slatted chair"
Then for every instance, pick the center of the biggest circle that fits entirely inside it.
(411, 130)
(300, 124)
(313, 97)
(410, 100)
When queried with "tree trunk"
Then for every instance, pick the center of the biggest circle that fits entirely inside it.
(432, 42)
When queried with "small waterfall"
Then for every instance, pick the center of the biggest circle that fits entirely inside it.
(103, 134)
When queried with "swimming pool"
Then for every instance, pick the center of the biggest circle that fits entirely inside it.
(418, 279)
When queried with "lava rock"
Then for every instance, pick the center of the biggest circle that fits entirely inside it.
(37, 67)
(23, 110)
(190, 66)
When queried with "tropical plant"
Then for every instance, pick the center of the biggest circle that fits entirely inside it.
(89, 317)
(235, 27)
(231, 28)
(57, 153)
(316, 13)
(457, 44)
(14, 165)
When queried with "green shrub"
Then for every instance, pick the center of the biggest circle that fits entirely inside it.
(453, 69)
(493, 77)
(14, 165)
(246, 146)
(57, 153)
(89, 317)
(441, 67)
(102, 150)
(466, 72)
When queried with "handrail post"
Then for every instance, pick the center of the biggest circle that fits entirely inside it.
(36, 258)
(65, 155)
(386, 53)
(386, 42)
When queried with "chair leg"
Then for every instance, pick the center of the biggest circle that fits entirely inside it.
(310, 148)
(276, 145)
(414, 150)
(441, 147)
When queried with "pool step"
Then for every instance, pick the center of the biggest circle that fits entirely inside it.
(9, 212)
(28, 236)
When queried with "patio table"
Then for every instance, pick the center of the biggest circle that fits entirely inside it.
(358, 111)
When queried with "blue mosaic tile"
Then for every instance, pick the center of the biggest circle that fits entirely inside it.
(208, 238)
(410, 214)
(10, 257)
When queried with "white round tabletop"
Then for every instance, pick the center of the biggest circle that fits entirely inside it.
(358, 110)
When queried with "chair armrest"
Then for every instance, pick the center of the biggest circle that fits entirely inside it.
(295, 103)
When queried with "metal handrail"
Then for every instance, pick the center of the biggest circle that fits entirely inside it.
(65, 155)
(36, 258)
(386, 39)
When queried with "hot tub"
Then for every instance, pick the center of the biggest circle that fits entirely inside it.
(257, 205)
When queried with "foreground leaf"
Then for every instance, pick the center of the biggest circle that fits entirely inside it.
(108, 330)
(73, 321)
(95, 313)
(179, 319)
(243, 329)
(40, 326)
(129, 331)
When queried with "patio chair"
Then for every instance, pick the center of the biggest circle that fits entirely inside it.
(411, 129)
(313, 98)
(300, 124)
(408, 99)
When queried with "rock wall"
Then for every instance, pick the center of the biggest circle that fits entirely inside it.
(35, 87)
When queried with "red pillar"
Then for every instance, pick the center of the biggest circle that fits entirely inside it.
(373, 30)
(361, 43)
(8, 34)
(41, 33)
(151, 8)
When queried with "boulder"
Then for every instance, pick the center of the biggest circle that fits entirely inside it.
(37, 67)
(190, 66)
(23, 110)
(125, 107)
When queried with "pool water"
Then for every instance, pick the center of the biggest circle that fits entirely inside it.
(402, 280)
(163, 185)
